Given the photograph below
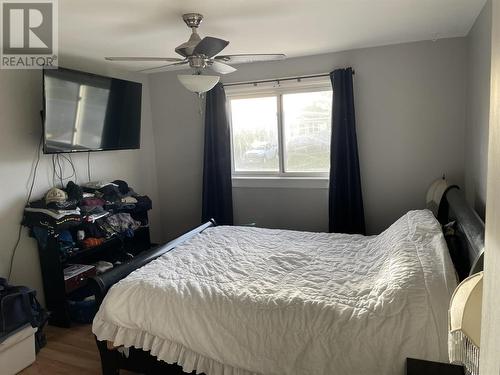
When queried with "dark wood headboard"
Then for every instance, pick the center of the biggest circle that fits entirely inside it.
(466, 239)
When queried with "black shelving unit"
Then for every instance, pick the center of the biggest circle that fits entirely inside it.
(53, 262)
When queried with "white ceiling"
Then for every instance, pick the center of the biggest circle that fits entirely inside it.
(92, 29)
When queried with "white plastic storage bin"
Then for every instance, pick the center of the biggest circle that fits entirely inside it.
(17, 351)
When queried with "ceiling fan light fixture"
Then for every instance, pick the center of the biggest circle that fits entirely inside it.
(198, 83)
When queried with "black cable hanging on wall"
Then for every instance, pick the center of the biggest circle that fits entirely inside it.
(28, 198)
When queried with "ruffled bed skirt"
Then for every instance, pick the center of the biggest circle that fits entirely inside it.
(163, 349)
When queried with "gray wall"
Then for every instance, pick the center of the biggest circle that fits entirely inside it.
(410, 108)
(478, 110)
(20, 103)
(291, 208)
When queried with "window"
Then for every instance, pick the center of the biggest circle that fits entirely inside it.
(307, 129)
(282, 131)
(255, 134)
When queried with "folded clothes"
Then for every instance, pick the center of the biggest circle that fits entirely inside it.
(65, 240)
(93, 202)
(130, 193)
(122, 222)
(40, 203)
(90, 210)
(51, 218)
(70, 204)
(56, 214)
(106, 228)
(65, 205)
(89, 203)
(96, 185)
(120, 206)
(41, 235)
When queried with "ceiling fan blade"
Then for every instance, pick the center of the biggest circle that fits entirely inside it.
(170, 59)
(210, 46)
(221, 68)
(247, 58)
(187, 48)
(174, 65)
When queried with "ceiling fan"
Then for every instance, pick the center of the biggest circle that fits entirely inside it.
(201, 54)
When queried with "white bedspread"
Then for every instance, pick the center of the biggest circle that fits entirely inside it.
(242, 300)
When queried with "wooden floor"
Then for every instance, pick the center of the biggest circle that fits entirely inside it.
(68, 351)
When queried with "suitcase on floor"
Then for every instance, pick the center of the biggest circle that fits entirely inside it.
(19, 307)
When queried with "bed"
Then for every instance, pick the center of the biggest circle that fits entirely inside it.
(241, 300)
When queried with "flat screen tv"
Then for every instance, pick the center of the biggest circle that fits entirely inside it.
(87, 112)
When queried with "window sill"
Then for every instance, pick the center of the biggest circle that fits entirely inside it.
(280, 182)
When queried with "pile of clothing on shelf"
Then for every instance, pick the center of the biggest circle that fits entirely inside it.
(86, 215)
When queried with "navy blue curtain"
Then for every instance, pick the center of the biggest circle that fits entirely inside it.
(346, 214)
(217, 202)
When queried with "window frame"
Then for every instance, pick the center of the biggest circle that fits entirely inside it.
(277, 89)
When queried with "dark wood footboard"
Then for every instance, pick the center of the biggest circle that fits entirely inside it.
(138, 360)
(101, 284)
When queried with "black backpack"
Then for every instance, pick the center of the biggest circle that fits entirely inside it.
(18, 307)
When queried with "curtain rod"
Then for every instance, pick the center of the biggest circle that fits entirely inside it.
(278, 79)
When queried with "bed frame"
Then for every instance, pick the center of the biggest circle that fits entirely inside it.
(465, 241)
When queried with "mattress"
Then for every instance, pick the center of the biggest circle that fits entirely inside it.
(244, 300)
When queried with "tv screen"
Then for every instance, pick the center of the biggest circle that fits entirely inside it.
(87, 112)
